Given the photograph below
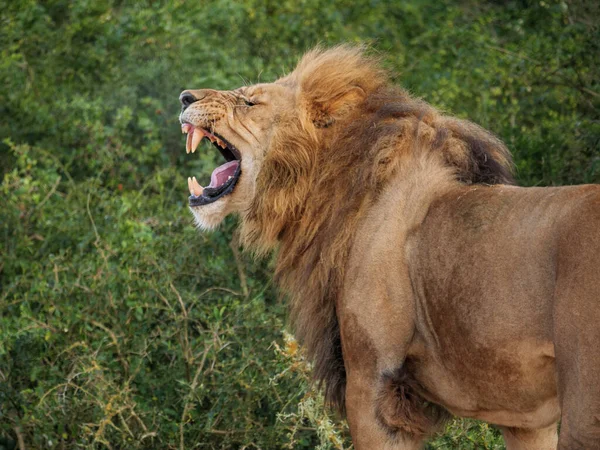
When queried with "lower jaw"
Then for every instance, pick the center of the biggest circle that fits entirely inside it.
(226, 190)
(209, 217)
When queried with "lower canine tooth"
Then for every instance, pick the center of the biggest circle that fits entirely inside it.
(190, 186)
(196, 187)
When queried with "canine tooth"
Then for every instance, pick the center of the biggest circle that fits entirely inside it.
(196, 138)
(196, 187)
(190, 185)
(188, 142)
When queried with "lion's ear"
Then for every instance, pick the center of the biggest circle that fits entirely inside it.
(325, 114)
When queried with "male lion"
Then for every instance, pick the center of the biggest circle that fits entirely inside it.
(421, 281)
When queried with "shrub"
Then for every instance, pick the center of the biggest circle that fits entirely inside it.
(120, 325)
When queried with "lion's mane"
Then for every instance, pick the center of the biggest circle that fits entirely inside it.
(322, 172)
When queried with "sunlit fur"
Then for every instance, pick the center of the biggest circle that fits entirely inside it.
(352, 133)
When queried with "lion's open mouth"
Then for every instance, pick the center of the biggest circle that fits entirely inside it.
(223, 178)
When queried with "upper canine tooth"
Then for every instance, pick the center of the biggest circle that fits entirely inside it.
(196, 138)
(188, 142)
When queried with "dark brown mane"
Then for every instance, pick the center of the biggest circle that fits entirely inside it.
(323, 171)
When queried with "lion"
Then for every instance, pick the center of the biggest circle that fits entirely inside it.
(422, 282)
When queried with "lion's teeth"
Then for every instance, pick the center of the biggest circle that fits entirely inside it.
(190, 186)
(186, 127)
(197, 189)
(196, 138)
(188, 142)
(221, 143)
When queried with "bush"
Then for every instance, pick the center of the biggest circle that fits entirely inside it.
(120, 325)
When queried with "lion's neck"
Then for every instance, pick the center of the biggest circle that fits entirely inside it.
(418, 183)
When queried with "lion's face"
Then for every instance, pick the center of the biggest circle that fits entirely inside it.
(241, 125)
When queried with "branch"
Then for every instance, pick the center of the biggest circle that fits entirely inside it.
(235, 245)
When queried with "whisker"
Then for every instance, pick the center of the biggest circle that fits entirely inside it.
(245, 82)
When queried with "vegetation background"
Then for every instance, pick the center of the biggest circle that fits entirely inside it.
(122, 327)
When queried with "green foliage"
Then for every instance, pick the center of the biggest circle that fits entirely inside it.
(123, 327)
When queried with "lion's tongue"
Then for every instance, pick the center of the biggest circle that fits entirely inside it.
(222, 173)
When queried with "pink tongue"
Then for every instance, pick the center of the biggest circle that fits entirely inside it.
(222, 173)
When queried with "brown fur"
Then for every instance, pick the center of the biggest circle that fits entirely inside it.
(315, 184)
(419, 280)
(402, 409)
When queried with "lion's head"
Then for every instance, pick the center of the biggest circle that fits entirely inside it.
(305, 154)
(270, 133)
(282, 139)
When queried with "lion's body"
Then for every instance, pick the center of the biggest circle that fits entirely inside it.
(476, 327)
(420, 280)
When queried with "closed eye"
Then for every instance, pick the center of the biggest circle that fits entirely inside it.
(248, 102)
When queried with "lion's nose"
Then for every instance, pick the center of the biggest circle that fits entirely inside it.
(187, 98)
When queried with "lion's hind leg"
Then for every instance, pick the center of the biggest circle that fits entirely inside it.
(526, 439)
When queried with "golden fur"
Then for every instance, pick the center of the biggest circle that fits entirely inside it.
(315, 183)
(370, 198)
